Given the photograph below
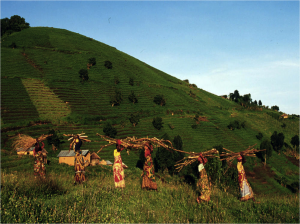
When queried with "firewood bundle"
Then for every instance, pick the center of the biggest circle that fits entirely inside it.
(193, 157)
(26, 141)
(136, 143)
(82, 137)
(230, 156)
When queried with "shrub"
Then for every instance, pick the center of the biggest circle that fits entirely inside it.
(83, 74)
(186, 80)
(134, 119)
(13, 45)
(192, 94)
(117, 81)
(109, 130)
(193, 85)
(132, 98)
(259, 136)
(92, 61)
(236, 125)
(131, 82)
(108, 64)
(117, 98)
(160, 100)
(55, 139)
(157, 123)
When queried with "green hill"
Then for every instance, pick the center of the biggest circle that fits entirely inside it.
(41, 90)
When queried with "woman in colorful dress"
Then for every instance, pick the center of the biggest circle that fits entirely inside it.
(118, 166)
(79, 168)
(148, 171)
(203, 184)
(245, 188)
(39, 166)
(76, 144)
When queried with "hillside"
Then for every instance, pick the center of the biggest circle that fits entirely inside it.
(41, 90)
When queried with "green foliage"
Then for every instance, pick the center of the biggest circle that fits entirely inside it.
(159, 100)
(266, 144)
(13, 45)
(92, 61)
(83, 75)
(55, 139)
(192, 94)
(134, 119)
(295, 141)
(117, 98)
(132, 98)
(108, 64)
(131, 82)
(276, 108)
(116, 80)
(259, 136)
(277, 141)
(109, 130)
(236, 125)
(186, 80)
(283, 125)
(14, 24)
(157, 123)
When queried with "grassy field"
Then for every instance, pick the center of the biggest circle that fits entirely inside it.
(41, 91)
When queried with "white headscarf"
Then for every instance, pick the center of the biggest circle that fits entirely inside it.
(200, 167)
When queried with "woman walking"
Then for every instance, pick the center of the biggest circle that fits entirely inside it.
(118, 166)
(148, 171)
(79, 168)
(39, 166)
(203, 184)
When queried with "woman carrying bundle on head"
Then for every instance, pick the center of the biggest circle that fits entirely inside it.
(39, 166)
(78, 161)
(118, 166)
(148, 170)
(245, 188)
(203, 184)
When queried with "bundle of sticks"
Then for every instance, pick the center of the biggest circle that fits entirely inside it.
(136, 143)
(230, 156)
(26, 141)
(82, 136)
(193, 157)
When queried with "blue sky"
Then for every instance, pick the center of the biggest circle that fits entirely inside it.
(220, 46)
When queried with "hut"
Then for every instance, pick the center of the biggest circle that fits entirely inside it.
(109, 163)
(22, 151)
(68, 157)
(284, 116)
(95, 159)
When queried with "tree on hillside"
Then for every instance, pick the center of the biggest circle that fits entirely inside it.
(117, 98)
(266, 144)
(259, 103)
(132, 98)
(247, 98)
(236, 95)
(277, 141)
(108, 64)
(92, 61)
(55, 139)
(259, 136)
(160, 100)
(276, 108)
(157, 123)
(109, 130)
(131, 81)
(14, 24)
(116, 80)
(134, 119)
(255, 102)
(84, 75)
(295, 141)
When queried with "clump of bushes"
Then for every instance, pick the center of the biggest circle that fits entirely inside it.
(132, 98)
(83, 75)
(134, 119)
(117, 98)
(157, 123)
(108, 64)
(160, 100)
(236, 125)
(109, 130)
(92, 61)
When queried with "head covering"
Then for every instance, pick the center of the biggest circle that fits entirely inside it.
(202, 159)
(149, 146)
(239, 158)
(119, 142)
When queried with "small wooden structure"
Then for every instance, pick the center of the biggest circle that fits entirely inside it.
(68, 157)
(95, 159)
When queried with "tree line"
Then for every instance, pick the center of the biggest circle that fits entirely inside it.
(14, 24)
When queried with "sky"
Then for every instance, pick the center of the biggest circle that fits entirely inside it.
(221, 46)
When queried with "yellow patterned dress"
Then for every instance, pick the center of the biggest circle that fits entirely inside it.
(203, 186)
(245, 188)
(118, 170)
(39, 166)
(79, 168)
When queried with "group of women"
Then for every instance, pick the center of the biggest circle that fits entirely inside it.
(148, 175)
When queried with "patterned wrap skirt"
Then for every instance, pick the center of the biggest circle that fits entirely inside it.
(118, 172)
(245, 188)
(149, 175)
(203, 186)
(79, 169)
(39, 166)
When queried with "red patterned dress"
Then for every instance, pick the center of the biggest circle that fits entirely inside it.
(79, 168)
(39, 166)
(118, 170)
(148, 172)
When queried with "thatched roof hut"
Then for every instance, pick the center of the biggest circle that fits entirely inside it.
(95, 159)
